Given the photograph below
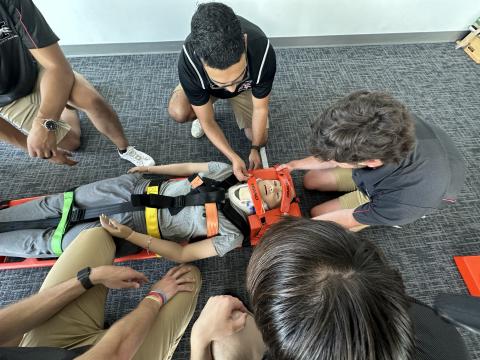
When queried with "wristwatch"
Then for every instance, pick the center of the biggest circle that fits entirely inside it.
(84, 277)
(50, 124)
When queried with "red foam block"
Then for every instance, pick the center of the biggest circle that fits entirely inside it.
(469, 267)
(35, 263)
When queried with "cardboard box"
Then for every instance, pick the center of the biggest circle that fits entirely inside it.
(471, 43)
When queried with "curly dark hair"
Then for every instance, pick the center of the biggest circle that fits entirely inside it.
(364, 126)
(320, 292)
(216, 35)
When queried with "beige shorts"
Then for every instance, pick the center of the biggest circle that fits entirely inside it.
(23, 111)
(353, 197)
(242, 106)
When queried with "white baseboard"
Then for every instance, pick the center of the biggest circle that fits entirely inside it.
(278, 42)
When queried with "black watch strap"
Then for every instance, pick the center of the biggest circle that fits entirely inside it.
(84, 277)
(255, 147)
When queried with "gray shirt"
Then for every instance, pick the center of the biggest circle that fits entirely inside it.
(191, 221)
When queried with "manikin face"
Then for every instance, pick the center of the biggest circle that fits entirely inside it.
(271, 192)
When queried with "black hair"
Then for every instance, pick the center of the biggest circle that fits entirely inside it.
(216, 35)
(363, 126)
(320, 292)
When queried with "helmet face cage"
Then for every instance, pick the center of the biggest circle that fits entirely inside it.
(288, 190)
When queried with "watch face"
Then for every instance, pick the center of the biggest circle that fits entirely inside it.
(51, 125)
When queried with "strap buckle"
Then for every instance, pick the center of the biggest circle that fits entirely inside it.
(76, 215)
(179, 202)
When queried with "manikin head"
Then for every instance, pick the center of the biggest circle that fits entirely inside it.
(270, 191)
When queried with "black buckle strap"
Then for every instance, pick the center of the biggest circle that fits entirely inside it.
(179, 202)
(76, 215)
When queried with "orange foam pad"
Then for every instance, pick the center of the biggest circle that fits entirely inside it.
(469, 267)
(257, 229)
(35, 263)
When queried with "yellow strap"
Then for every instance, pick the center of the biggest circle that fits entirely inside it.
(151, 216)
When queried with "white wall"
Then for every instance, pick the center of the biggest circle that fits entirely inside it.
(79, 22)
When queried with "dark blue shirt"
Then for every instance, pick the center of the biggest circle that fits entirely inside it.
(430, 177)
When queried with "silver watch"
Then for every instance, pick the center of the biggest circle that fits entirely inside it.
(50, 124)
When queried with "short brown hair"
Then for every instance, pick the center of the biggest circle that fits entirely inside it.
(363, 126)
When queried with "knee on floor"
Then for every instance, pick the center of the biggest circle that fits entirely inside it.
(179, 114)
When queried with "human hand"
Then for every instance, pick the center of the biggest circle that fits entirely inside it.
(222, 316)
(115, 228)
(41, 142)
(177, 279)
(139, 169)
(290, 166)
(117, 277)
(240, 170)
(63, 157)
(255, 161)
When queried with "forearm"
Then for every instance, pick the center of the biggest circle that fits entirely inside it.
(124, 338)
(259, 126)
(310, 163)
(17, 319)
(55, 88)
(342, 217)
(184, 169)
(173, 251)
(200, 349)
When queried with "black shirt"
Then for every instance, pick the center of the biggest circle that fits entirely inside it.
(40, 353)
(261, 69)
(435, 339)
(429, 178)
(22, 27)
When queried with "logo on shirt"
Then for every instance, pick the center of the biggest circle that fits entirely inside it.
(245, 86)
(5, 32)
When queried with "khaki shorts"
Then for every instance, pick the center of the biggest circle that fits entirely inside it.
(242, 106)
(23, 111)
(354, 197)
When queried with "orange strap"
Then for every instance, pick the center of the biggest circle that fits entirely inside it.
(196, 182)
(211, 214)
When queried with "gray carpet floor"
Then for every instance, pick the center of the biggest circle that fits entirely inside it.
(438, 83)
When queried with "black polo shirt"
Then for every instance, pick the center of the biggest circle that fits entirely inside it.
(22, 27)
(261, 69)
(428, 179)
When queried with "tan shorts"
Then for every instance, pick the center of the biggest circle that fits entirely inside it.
(354, 197)
(242, 106)
(23, 111)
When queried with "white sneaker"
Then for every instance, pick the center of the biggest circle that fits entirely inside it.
(197, 131)
(137, 157)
